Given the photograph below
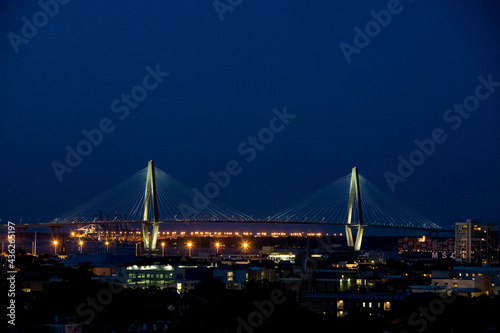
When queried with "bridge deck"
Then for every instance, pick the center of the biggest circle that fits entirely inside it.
(62, 224)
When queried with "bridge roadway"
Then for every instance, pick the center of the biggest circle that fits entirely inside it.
(62, 224)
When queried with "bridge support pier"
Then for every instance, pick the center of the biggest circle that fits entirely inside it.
(150, 195)
(354, 193)
(150, 240)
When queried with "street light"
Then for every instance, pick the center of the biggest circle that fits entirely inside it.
(81, 247)
(217, 245)
(162, 249)
(245, 246)
(107, 246)
(189, 246)
(55, 247)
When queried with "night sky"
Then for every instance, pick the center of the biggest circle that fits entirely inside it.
(352, 99)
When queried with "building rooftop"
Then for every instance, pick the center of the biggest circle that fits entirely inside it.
(360, 296)
(100, 260)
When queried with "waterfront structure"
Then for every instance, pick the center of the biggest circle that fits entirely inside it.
(427, 247)
(425, 244)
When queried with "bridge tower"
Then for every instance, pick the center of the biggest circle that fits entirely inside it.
(354, 193)
(150, 242)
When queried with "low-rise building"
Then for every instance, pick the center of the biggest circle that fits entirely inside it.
(259, 273)
(279, 256)
(187, 277)
(181, 278)
(469, 281)
(143, 275)
(335, 280)
(232, 276)
(323, 280)
(101, 264)
(341, 304)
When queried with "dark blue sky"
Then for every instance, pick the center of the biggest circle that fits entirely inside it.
(225, 78)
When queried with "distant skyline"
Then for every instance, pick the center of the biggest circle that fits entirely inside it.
(289, 97)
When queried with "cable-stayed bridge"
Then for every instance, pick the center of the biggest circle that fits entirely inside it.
(151, 197)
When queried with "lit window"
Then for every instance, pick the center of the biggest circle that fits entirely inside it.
(387, 306)
(340, 304)
(364, 304)
(370, 304)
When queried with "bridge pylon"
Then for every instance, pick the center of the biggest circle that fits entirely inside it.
(150, 193)
(354, 192)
